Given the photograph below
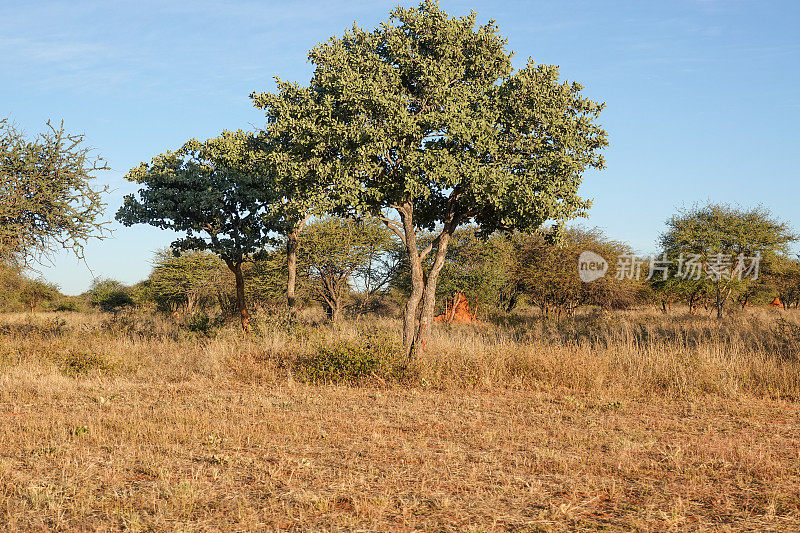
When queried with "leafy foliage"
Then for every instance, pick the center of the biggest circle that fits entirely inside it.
(546, 263)
(36, 291)
(110, 295)
(191, 281)
(210, 190)
(480, 267)
(353, 362)
(11, 282)
(715, 230)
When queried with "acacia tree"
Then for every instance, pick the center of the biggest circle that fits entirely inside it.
(545, 264)
(424, 117)
(35, 291)
(110, 295)
(715, 237)
(47, 200)
(216, 193)
(187, 281)
(334, 250)
(784, 279)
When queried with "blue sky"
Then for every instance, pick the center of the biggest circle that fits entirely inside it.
(703, 99)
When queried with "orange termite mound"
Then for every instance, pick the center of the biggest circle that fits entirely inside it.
(458, 313)
(776, 302)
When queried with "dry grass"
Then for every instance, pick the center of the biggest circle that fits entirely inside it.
(631, 421)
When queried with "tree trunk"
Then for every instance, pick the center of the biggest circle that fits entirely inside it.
(241, 306)
(417, 279)
(333, 307)
(512, 302)
(292, 244)
(191, 302)
(429, 302)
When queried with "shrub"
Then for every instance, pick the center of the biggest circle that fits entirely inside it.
(199, 323)
(110, 295)
(67, 305)
(80, 363)
(354, 362)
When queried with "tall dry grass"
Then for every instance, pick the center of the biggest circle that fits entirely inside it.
(637, 353)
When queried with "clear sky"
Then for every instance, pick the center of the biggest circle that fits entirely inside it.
(703, 96)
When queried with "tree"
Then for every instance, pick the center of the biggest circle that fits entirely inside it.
(35, 291)
(334, 249)
(726, 242)
(267, 280)
(383, 256)
(425, 117)
(47, 201)
(694, 292)
(11, 282)
(216, 193)
(297, 160)
(187, 281)
(109, 295)
(546, 264)
(782, 279)
(479, 267)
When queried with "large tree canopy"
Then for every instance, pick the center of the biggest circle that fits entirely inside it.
(426, 116)
(47, 201)
(216, 193)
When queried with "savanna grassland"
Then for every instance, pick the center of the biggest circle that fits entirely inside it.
(627, 421)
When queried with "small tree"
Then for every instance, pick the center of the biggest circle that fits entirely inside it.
(546, 263)
(478, 267)
(298, 161)
(334, 249)
(383, 259)
(11, 283)
(186, 281)
(216, 193)
(783, 280)
(717, 237)
(47, 201)
(425, 117)
(109, 295)
(33, 292)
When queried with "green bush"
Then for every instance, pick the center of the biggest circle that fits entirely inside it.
(79, 363)
(354, 362)
(199, 323)
(110, 295)
(67, 305)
